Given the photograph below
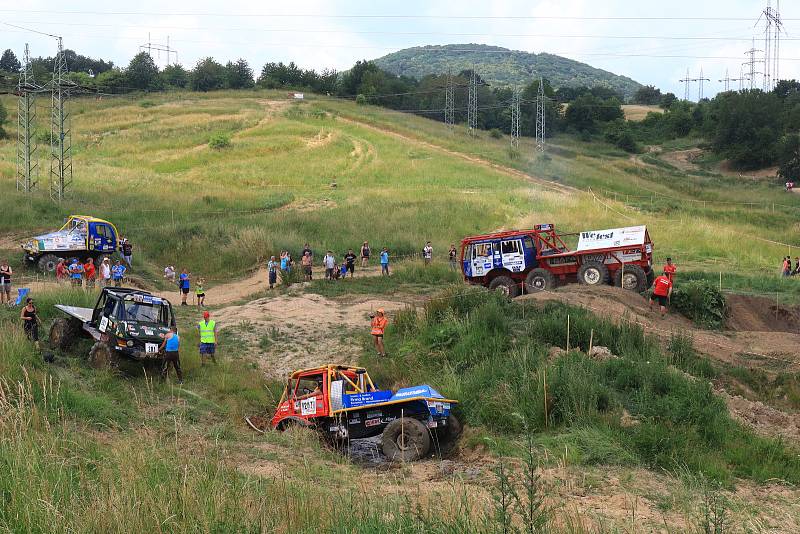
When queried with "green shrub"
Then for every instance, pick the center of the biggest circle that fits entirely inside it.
(219, 141)
(702, 302)
(495, 133)
(361, 99)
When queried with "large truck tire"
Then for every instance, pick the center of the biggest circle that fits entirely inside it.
(540, 279)
(651, 276)
(505, 285)
(448, 435)
(47, 263)
(102, 356)
(62, 333)
(405, 440)
(634, 279)
(593, 273)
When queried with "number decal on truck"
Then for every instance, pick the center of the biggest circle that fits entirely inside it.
(308, 406)
(151, 348)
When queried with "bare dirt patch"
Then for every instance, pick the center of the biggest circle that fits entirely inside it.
(750, 313)
(683, 159)
(763, 419)
(638, 112)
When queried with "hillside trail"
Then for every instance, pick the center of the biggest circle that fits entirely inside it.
(509, 171)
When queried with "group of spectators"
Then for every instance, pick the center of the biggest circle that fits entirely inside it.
(786, 268)
(88, 275)
(184, 283)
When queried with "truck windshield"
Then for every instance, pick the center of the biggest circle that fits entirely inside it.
(144, 313)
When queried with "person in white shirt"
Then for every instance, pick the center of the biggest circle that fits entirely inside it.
(330, 264)
(105, 272)
(169, 273)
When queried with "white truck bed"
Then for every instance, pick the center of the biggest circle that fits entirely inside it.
(83, 314)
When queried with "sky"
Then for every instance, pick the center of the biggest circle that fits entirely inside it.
(639, 39)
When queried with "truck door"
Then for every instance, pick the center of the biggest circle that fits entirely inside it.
(512, 254)
(481, 258)
(101, 237)
(309, 396)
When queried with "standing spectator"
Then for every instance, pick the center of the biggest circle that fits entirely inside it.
(272, 270)
(208, 338)
(796, 265)
(90, 273)
(307, 266)
(307, 249)
(379, 322)
(330, 264)
(184, 283)
(670, 269)
(385, 262)
(5, 282)
(105, 272)
(127, 251)
(61, 270)
(427, 253)
(786, 268)
(284, 261)
(76, 272)
(662, 290)
(453, 257)
(169, 273)
(350, 262)
(364, 254)
(171, 347)
(200, 293)
(343, 271)
(30, 321)
(118, 273)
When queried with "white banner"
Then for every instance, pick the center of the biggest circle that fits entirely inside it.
(615, 237)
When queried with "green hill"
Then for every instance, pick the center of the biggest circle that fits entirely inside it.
(502, 66)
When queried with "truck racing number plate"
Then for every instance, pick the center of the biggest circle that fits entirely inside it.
(151, 348)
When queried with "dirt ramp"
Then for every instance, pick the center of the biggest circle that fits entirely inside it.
(760, 314)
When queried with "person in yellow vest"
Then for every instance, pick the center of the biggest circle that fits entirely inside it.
(208, 338)
(379, 322)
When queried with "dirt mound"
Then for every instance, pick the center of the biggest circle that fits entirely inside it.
(763, 419)
(760, 314)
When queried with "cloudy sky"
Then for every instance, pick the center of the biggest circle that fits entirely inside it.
(641, 39)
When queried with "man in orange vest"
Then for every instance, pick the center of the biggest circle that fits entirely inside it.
(669, 270)
(379, 322)
(662, 290)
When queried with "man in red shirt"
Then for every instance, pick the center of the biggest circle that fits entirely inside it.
(89, 273)
(669, 270)
(662, 289)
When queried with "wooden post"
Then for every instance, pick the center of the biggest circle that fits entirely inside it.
(591, 341)
(720, 281)
(567, 332)
(622, 276)
(544, 371)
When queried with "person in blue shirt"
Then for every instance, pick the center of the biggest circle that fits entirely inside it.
(76, 272)
(385, 262)
(272, 271)
(117, 273)
(171, 347)
(184, 284)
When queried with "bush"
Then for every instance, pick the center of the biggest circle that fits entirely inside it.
(361, 99)
(495, 133)
(702, 302)
(219, 141)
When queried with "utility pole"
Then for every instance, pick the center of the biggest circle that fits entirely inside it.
(741, 79)
(700, 81)
(540, 117)
(149, 46)
(686, 81)
(515, 116)
(26, 115)
(449, 103)
(472, 103)
(751, 63)
(727, 79)
(60, 136)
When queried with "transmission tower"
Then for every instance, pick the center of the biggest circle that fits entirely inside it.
(150, 46)
(540, 117)
(449, 102)
(60, 137)
(472, 103)
(686, 80)
(700, 81)
(26, 115)
(515, 116)
(751, 63)
(727, 79)
(741, 79)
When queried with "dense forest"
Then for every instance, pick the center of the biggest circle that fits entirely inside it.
(752, 129)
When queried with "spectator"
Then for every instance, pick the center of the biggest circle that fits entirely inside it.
(307, 248)
(118, 273)
(336, 274)
(200, 293)
(272, 270)
(379, 323)
(169, 273)
(343, 271)
(30, 321)
(670, 269)
(105, 272)
(5, 282)
(786, 268)
(127, 251)
(89, 273)
(307, 266)
(330, 265)
(184, 283)
(796, 265)
(350, 261)
(76, 273)
(364, 254)
(427, 253)
(284, 261)
(453, 256)
(385, 262)
(61, 270)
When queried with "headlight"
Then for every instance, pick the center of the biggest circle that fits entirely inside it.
(129, 343)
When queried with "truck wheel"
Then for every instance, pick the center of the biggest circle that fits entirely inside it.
(593, 273)
(634, 279)
(540, 279)
(651, 276)
(102, 356)
(505, 285)
(450, 434)
(62, 334)
(47, 263)
(405, 439)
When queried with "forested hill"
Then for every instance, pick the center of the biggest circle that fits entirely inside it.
(501, 66)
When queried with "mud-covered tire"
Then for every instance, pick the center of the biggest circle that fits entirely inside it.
(62, 334)
(505, 285)
(635, 279)
(651, 276)
(448, 436)
(47, 263)
(405, 440)
(102, 356)
(540, 279)
(593, 273)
